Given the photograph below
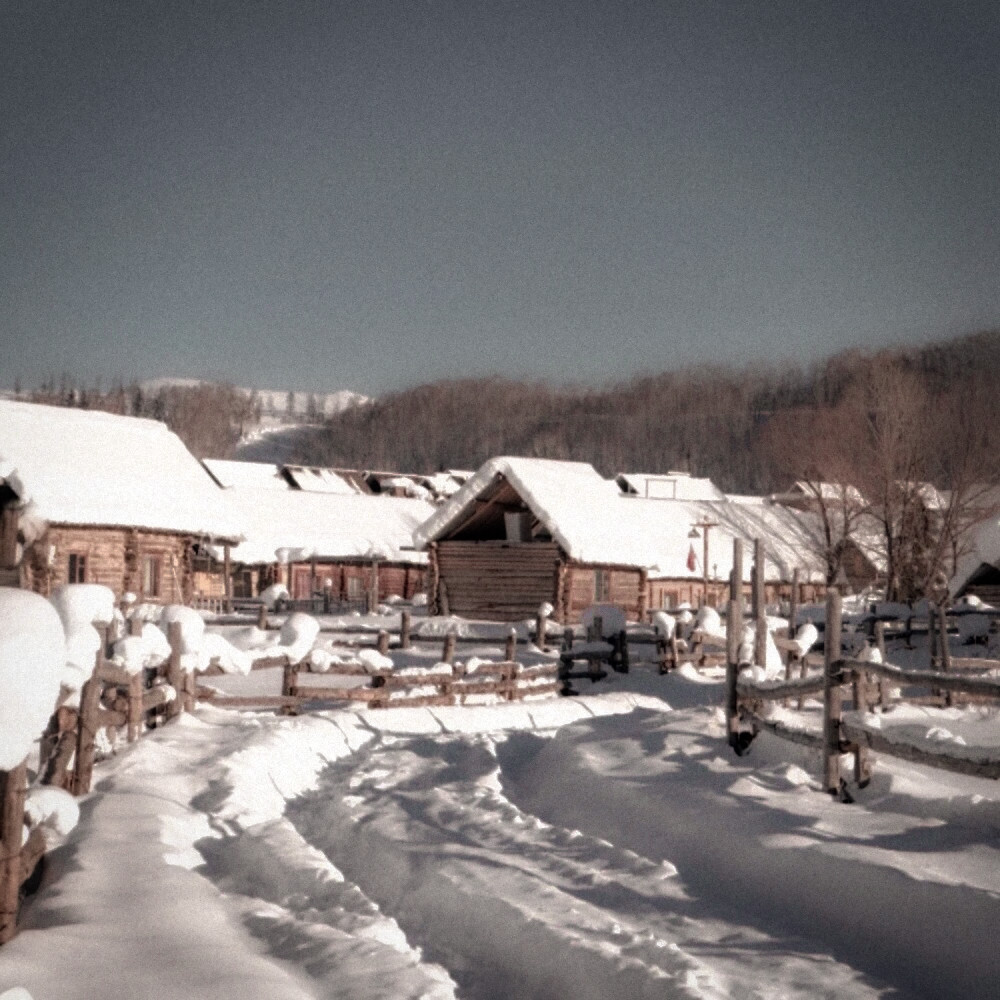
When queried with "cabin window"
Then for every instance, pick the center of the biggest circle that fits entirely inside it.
(602, 586)
(355, 588)
(77, 568)
(151, 576)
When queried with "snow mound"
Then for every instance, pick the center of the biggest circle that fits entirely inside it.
(82, 604)
(52, 808)
(191, 623)
(32, 658)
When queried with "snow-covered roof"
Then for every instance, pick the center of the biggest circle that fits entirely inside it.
(86, 467)
(256, 475)
(319, 480)
(802, 489)
(983, 549)
(594, 522)
(299, 524)
(669, 486)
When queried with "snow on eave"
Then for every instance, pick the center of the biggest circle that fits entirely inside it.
(230, 473)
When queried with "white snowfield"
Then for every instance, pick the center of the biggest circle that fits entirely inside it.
(603, 846)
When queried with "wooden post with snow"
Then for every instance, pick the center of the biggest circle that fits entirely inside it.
(945, 661)
(175, 676)
(227, 570)
(541, 620)
(832, 692)
(90, 703)
(510, 646)
(734, 629)
(883, 684)
(404, 630)
(134, 710)
(262, 617)
(448, 651)
(382, 643)
(290, 684)
(759, 608)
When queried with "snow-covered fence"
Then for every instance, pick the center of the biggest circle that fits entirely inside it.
(858, 732)
(115, 697)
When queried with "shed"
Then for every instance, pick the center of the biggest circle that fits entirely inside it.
(95, 497)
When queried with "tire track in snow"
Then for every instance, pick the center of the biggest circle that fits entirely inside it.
(512, 906)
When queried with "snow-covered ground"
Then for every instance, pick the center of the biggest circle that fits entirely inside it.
(607, 845)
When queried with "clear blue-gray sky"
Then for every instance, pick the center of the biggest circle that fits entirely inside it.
(368, 195)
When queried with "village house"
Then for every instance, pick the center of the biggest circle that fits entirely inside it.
(329, 541)
(92, 497)
(522, 532)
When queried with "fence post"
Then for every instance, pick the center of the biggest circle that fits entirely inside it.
(759, 608)
(734, 629)
(448, 652)
(12, 791)
(883, 684)
(540, 621)
(832, 693)
(945, 651)
(510, 646)
(262, 617)
(404, 630)
(383, 642)
(290, 685)
(134, 710)
(175, 676)
(90, 697)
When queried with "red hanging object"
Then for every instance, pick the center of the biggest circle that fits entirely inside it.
(692, 559)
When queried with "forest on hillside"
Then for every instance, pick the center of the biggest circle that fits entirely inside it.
(749, 429)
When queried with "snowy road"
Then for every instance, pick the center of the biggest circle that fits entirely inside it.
(537, 851)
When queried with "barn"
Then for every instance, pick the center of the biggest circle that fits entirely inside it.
(524, 531)
(95, 497)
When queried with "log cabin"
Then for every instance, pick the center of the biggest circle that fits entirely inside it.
(92, 497)
(522, 532)
(331, 540)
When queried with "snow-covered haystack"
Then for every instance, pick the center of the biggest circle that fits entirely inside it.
(32, 658)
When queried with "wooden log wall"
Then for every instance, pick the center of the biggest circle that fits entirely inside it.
(623, 585)
(498, 580)
(114, 558)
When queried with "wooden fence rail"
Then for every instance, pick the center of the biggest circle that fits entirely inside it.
(863, 685)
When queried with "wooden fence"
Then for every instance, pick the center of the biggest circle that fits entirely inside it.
(863, 686)
(113, 699)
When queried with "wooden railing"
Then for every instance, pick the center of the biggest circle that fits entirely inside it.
(863, 685)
